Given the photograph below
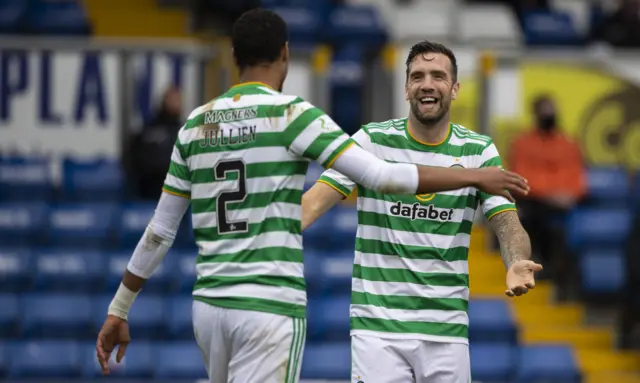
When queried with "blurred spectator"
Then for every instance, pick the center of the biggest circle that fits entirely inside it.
(622, 28)
(151, 148)
(553, 164)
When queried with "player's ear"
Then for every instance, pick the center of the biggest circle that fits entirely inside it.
(406, 91)
(285, 52)
(455, 90)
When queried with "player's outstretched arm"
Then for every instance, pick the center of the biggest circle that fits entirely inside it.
(317, 201)
(373, 173)
(515, 248)
(147, 256)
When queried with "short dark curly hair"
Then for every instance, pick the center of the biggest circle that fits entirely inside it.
(431, 47)
(258, 37)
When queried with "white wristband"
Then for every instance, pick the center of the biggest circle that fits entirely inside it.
(122, 301)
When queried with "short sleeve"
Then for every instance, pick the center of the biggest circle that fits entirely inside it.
(178, 179)
(491, 204)
(337, 180)
(312, 134)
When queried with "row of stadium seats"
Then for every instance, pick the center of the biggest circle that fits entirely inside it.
(158, 317)
(111, 225)
(106, 224)
(182, 360)
(103, 180)
(43, 17)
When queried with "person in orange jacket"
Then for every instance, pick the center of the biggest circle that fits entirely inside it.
(553, 164)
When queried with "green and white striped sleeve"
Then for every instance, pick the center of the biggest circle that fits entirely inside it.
(339, 181)
(311, 134)
(491, 204)
(178, 180)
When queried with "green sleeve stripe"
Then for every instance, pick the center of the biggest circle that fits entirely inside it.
(320, 144)
(345, 191)
(175, 191)
(495, 161)
(298, 125)
(179, 171)
(337, 153)
(499, 209)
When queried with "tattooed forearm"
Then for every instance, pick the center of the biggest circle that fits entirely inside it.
(514, 240)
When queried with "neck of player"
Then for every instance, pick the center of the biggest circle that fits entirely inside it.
(264, 74)
(430, 133)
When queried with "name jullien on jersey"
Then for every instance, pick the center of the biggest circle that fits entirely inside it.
(215, 136)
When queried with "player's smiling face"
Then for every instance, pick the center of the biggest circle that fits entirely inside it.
(430, 87)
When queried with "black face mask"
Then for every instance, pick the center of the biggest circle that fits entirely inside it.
(547, 123)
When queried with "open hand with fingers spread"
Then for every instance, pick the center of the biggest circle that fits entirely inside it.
(114, 332)
(520, 277)
(497, 181)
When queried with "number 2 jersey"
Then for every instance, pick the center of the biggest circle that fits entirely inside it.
(241, 160)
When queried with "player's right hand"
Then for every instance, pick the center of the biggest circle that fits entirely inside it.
(497, 181)
(114, 332)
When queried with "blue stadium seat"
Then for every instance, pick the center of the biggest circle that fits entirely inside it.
(304, 24)
(92, 180)
(337, 271)
(133, 221)
(315, 236)
(346, 85)
(608, 186)
(180, 360)
(185, 269)
(492, 362)
(548, 363)
(5, 353)
(356, 24)
(312, 272)
(137, 363)
(314, 172)
(15, 269)
(82, 225)
(594, 227)
(12, 15)
(69, 270)
(491, 321)
(550, 28)
(329, 318)
(184, 237)
(62, 17)
(344, 227)
(602, 271)
(9, 317)
(46, 359)
(327, 361)
(147, 318)
(161, 280)
(22, 224)
(57, 316)
(25, 179)
(179, 323)
(636, 192)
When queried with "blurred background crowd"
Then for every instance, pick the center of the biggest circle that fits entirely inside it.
(92, 94)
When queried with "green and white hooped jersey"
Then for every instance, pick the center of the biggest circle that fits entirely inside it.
(241, 159)
(410, 274)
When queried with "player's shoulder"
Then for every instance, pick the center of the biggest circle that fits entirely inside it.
(462, 136)
(392, 126)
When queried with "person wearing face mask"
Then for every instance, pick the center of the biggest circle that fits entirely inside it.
(553, 164)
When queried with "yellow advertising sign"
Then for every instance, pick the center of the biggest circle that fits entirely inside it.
(599, 110)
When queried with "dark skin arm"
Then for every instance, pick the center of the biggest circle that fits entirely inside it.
(515, 248)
